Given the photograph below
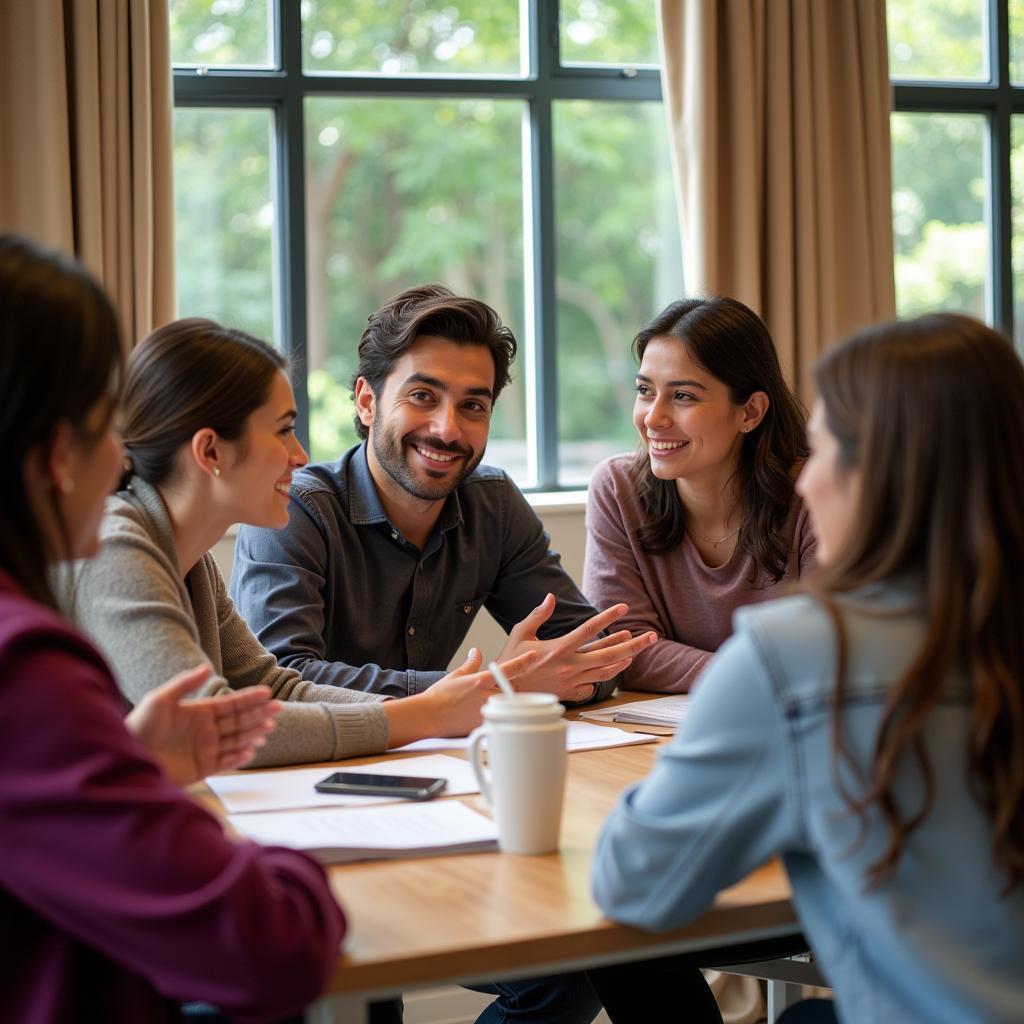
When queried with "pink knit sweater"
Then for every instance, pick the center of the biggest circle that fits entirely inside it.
(686, 602)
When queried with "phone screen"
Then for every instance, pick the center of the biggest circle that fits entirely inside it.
(416, 786)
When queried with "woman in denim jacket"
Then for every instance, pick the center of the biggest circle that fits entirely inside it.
(871, 730)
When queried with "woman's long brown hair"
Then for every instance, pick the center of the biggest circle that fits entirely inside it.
(732, 343)
(931, 413)
(60, 355)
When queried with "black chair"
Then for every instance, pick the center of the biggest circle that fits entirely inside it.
(810, 1011)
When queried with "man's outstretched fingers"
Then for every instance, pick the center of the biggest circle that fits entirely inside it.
(603, 673)
(527, 628)
(595, 624)
(627, 649)
(605, 641)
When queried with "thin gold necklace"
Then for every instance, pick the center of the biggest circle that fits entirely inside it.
(715, 543)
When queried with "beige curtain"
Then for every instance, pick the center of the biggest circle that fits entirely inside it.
(85, 133)
(779, 114)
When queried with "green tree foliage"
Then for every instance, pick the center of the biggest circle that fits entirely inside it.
(939, 187)
(224, 216)
(618, 258)
(402, 191)
(220, 32)
(609, 32)
(936, 39)
(394, 37)
(939, 212)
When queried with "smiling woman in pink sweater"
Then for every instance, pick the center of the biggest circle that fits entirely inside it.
(704, 518)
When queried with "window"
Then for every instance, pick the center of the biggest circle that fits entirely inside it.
(958, 157)
(330, 153)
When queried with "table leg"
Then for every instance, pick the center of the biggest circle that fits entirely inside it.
(344, 1009)
(781, 994)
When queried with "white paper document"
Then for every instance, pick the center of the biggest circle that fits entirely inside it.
(293, 787)
(340, 835)
(666, 711)
(579, 736)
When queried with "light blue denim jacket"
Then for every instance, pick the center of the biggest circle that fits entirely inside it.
(750, 775)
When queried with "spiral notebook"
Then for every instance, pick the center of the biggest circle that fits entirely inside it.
(663, 711)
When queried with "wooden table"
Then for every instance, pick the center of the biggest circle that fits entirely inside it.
(491, 916)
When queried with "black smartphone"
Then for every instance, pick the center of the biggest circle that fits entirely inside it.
(412, 787)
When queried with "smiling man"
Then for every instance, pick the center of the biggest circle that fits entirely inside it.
(390, 551)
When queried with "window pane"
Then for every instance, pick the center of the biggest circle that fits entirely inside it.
(1017, 184)
(401, 193)
(937, 39)
(413, 37)
(224, 217)
(619, 263)
(221, 33)
(1017, 41)
(618, 32)
(939, 200)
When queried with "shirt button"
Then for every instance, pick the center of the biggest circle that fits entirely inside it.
(467, 608)
(412, 631)
(394, 535)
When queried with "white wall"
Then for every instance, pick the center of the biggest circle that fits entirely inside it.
(563, 516)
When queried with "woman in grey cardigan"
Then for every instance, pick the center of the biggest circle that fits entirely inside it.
(208, 422)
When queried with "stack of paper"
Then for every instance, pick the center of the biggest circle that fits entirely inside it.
(664, 711)
(405, 830)
(578, 736)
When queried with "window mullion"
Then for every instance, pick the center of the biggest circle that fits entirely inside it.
(999, 151)
(541, 363)
(290, 177)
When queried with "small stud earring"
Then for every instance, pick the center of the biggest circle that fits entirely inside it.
(216, 470)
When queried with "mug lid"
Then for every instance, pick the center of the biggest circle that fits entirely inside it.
(540, 705)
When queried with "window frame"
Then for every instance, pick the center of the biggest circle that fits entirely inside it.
(997, 99)
(284, 90)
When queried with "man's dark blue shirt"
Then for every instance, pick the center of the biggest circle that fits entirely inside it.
(340, 595)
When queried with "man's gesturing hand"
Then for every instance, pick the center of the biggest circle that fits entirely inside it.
(569, 665)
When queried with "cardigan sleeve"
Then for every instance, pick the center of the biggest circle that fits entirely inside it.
(612, 574)
(100, 844)
(129, 600)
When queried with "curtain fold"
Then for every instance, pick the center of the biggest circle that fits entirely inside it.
(779, 119)
(86, 132)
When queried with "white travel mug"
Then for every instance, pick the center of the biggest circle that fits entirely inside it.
(524, 780)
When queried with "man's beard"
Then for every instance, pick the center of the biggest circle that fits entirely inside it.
(391, 454)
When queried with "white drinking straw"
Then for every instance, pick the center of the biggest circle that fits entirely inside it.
(501, 679)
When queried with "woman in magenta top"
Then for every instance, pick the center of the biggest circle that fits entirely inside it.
(119, 897)
(704, 518)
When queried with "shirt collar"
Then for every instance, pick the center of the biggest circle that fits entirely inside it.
(364, 504)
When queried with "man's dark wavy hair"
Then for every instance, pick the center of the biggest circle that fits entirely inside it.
(430, 309)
